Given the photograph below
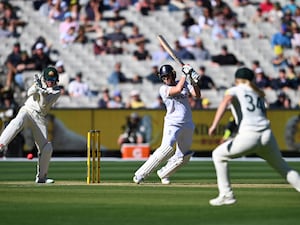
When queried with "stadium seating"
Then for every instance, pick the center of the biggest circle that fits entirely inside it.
(96, 69)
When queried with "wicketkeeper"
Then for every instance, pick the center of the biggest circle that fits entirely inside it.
(41, 96)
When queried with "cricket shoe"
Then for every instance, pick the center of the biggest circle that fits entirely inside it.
(228, 199)
(44, 181)
(165, 180)
(136, 179)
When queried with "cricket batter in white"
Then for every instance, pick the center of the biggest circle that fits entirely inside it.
(178, 124)
(254, 135)
(41, 96)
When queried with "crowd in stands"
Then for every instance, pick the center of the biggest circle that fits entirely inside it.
(76, 19)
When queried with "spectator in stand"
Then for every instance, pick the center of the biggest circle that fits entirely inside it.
(234, 32)
(206, 104)
(136, 79)
(135, 101)
(182, 52)
(144, 6)
(282, 82)
(205, 82)
(11, 62)
(295, 37)
(200, 52)
(287, 104)
(294, 58)
(258, 17)
(68, 22)
(68, 38)
(292, 76)
(196, 9)
(2, 7)
(291, 72)
(4, 30)
(45, 8)
(266, 6)
(290, 6)
(91, 14)
(117, 19)
(100, 46)
(241, 3)
(261, 79)
(229, 17)
(219, 31)
(12, 20)
(255, 64)
(281, 38)
(188, 20)
(218, 5)
(153, 76)
(113, 48)
(117, 76)
(25, 64)
(77, 87)
(57, 11)
(205, 21)
(225, 58)
(141, 53)
(105, 98)
(40, 59)
(118, 36)
(159, 56)
(81, 36)
(117, 101)
(279, 60)
(158, 104)
(47, 46)
(187, 41)
(289, 23)
(279, 102)
(276, 14)
(64, 77)
(296, 16)
(136, 37)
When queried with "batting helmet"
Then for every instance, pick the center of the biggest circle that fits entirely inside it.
(167, 70)
(50, 74)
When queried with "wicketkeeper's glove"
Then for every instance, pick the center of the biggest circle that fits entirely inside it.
(37, 80)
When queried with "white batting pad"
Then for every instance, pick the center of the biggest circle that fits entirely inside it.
(173, 165)
(161, 154)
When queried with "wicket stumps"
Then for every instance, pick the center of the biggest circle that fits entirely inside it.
(93, 156)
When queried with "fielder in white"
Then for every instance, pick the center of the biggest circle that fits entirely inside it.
(41, 96)
(178, 124)
(254, 135)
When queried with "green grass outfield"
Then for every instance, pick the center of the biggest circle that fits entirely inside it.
(263, 196)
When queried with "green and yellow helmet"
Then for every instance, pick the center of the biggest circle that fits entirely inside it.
(50, 74)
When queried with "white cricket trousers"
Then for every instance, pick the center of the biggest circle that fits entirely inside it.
(262, 143)
(37, 124)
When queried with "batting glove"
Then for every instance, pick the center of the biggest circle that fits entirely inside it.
(195, 76)
(187, 69)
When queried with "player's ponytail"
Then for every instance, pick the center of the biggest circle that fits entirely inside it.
(246, 76)
(260, 92)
